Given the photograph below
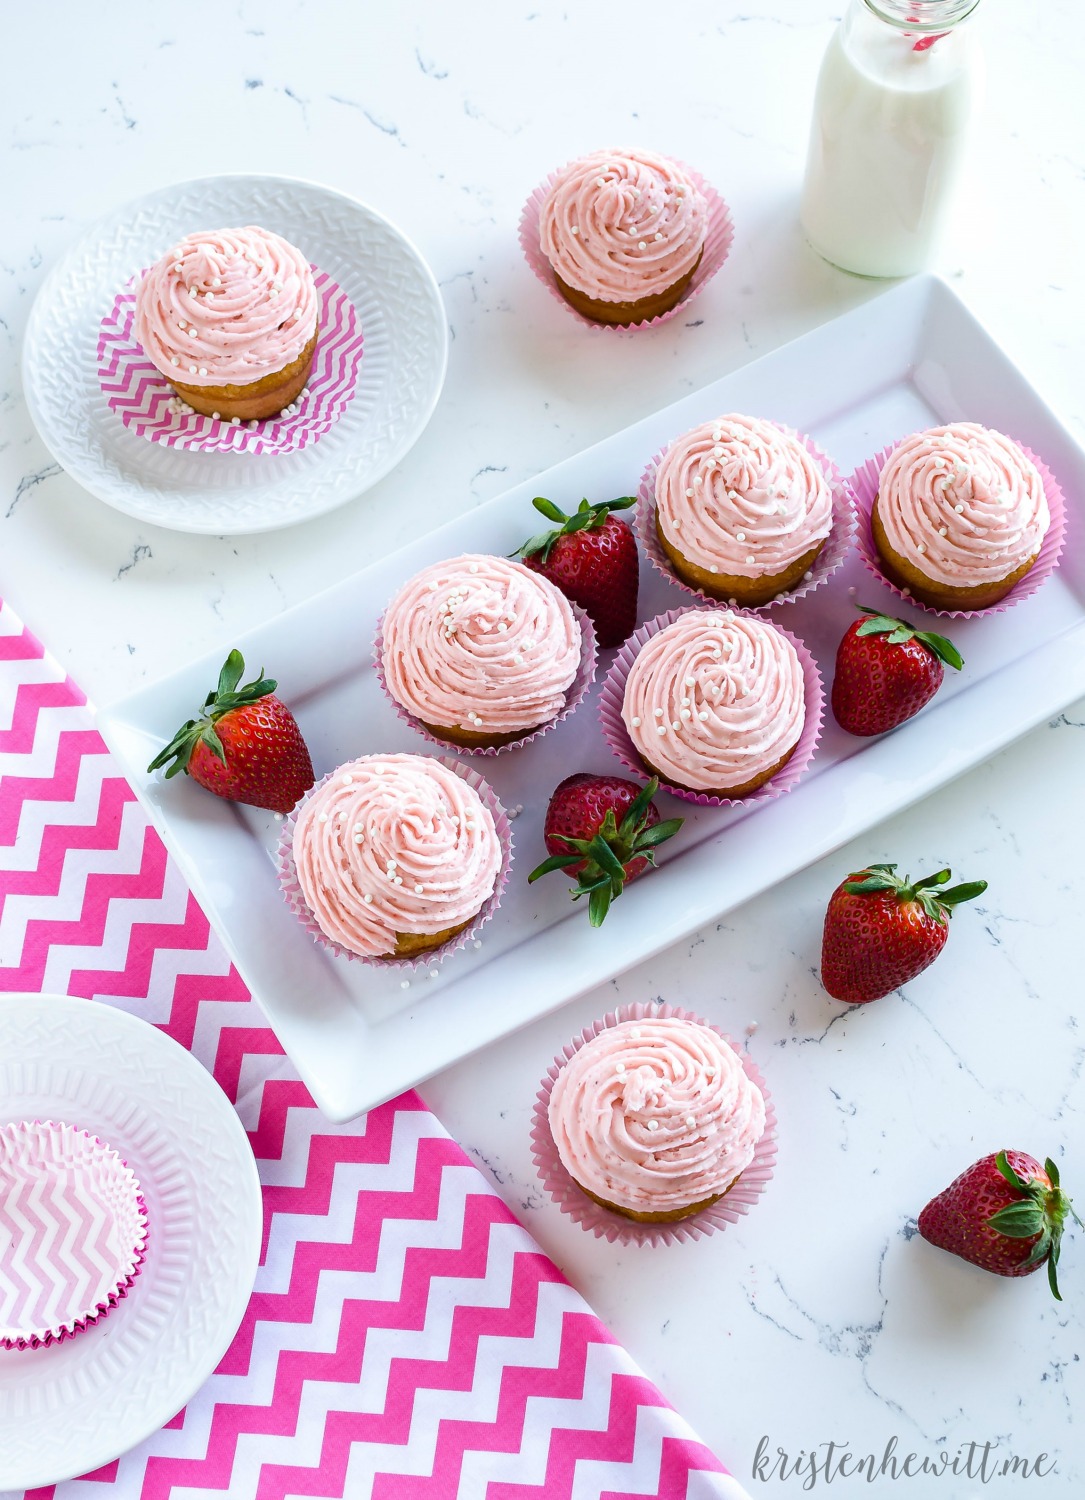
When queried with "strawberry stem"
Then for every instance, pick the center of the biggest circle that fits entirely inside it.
(225, 696)
(586, 518)
(1040, 1210)
(899, 631)
(936, 903)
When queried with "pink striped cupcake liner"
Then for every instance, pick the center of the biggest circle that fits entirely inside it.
(620, 742)
(717, 247)
(295, 898)
(73, 1232)
(585, 676)
(142, 397)
(863, 487)
(614, 1227)
(831, 557)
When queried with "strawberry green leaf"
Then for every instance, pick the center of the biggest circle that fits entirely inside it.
(658, 834)
(942, 647)
(966, 892)
(599, 905)
(1012, 1176)
(555, 862)
(1018, 1221)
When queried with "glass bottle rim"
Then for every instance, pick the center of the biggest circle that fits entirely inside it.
(922, 16)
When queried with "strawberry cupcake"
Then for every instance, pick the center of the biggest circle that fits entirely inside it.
(742, 509)
(395, 856)
(623, 233)
(715, 702)
(480, 651)
(960, 516)
(656, 1119)
(229, 317)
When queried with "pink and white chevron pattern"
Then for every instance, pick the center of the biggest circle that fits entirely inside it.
(141, 397)
(73, 1228)
(406, 1339)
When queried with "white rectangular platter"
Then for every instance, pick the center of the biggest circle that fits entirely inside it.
(906, 360)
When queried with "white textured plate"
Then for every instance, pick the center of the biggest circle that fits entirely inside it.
(400, 377)
(68, 1409)
(908, 359)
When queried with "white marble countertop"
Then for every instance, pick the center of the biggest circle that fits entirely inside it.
(819, 1317)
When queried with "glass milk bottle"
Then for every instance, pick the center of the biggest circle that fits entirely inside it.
(896, 92)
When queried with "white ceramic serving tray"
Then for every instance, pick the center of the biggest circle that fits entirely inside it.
(906, 360)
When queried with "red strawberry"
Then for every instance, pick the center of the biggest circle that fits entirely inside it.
(1005, 1213)
(881, 931)
(592, 557)
(245, 746)
(886, 671)
(584, 836)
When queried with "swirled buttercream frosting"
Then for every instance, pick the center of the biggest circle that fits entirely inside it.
(655, 1115)
(715, 699)
(480, 643)
(226, 307)
(742, 496)
(963, 504)
(394, 844)
(622, 225)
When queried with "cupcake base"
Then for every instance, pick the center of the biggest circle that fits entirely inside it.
(674, 1216)
(261, 398)
(620, 314)
(472, 739)
(737, 588)
(925, 590)
(410, 944)
(731, 793)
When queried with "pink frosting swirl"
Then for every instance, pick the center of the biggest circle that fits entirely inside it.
(962, 503)
(226, 307)
(743, 496)
(621, 225)
(715, 699)
(394, 843)
(655, 1115)
(480, 643)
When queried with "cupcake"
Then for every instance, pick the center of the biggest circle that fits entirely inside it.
(959, 517)
(394, 855)
(715, 702)
(229, 317)
(656, 1119)
(623, 232)
(480, 650)
(742, 509)
(73, 1232)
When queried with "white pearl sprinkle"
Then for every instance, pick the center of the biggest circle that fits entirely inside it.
(921, 547)
(477, 943)
(404, 984)
(174, 360)
(659, 713)
(636, 721)
(703, 717)
(619, 1067)
(750, 559)
(253, 425)
(192, 369)
(662, 729)
(686, 713)
(202, 370)
(685, 698)
(433, 973)
(398, 880)
(217, 415)
(675, 724)
(653, 1124)
(690, 1122)
(959, 509)
(689, 494)
(806, 577)
(740, 536)
(192, 291)
(659, 236)
(346, 778)
(943, 531)
(713, 568)
(642, 245)
(691, 682)
(368, 899)
(322, 817)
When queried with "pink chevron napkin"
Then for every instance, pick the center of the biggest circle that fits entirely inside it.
(406, 1340)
